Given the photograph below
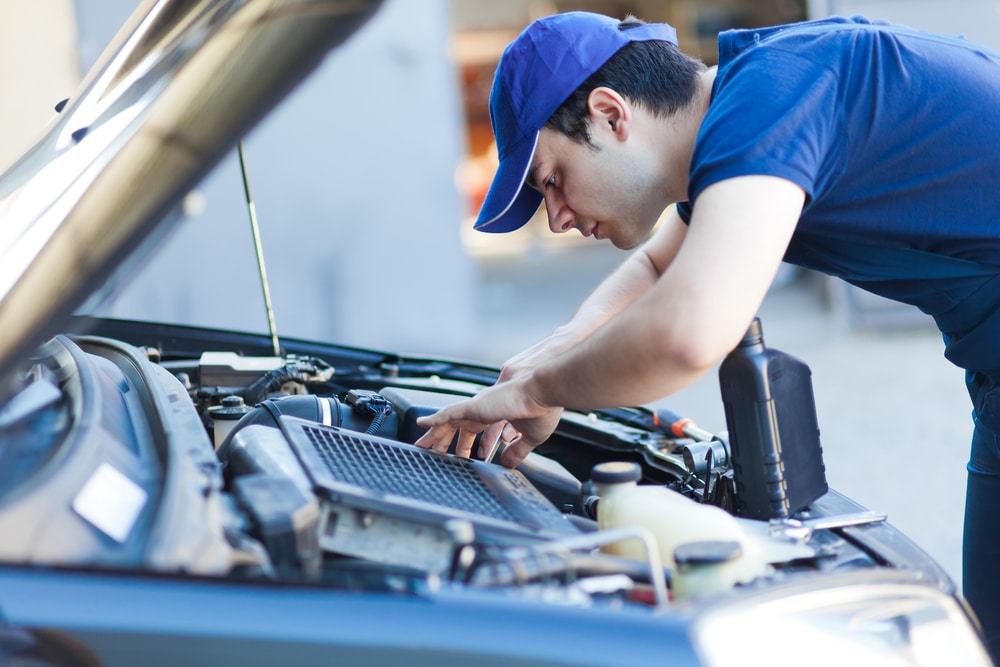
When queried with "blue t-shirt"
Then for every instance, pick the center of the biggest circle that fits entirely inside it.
(894, 135)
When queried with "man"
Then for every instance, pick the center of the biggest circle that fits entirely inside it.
(861, 149)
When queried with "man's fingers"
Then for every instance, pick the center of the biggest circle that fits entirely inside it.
(463, 447)
(495, 437)
(436, 419)
(516, 452)
(452, 418)
(442, 427)
(486, 412)
(437, 438)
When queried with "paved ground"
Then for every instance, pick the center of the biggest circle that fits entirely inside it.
(893, 412)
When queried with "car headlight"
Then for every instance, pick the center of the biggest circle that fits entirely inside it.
(883, 624)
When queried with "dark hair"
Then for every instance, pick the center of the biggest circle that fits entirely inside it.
(652, 74)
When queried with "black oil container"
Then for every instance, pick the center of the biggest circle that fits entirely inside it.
(773, 430)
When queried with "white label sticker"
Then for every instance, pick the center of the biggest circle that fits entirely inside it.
(111, 501)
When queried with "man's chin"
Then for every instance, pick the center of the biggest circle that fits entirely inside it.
(625, 244)
(634, 239)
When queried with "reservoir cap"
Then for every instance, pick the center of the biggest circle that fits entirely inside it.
(707, 552)
(615, 472)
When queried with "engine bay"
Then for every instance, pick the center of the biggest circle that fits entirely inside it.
(302, 468)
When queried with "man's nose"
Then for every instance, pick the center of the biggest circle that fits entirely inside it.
(561, 217)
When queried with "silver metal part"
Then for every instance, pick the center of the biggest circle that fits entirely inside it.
(696, 456)
(386, 539)
(658, 448)
(462, 534)
(498, 446)
(494, 448)
(606, 584)
(260, 252)
(326, 413)
(801, 530)
(602, 537)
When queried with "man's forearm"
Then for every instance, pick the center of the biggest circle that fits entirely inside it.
(633, 278)
(630, 280)
(628, 361)
(690, 318)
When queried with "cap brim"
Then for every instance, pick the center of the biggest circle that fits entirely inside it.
(510, 203)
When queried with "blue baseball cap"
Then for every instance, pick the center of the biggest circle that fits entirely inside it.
(550, 59)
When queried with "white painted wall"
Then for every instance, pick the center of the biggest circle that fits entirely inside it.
(38, 66)
(978, 20)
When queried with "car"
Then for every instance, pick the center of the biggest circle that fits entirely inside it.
(172, 494)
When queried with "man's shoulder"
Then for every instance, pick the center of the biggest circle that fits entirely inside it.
(803, 39)
(824, 39)
(738, 40)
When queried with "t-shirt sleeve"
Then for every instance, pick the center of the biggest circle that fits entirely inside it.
(684, 210)
(774, 113)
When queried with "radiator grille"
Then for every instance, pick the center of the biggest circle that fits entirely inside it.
(374, 466)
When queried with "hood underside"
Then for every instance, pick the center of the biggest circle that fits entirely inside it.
(179, 85)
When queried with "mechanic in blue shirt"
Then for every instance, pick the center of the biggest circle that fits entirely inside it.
(864, 150)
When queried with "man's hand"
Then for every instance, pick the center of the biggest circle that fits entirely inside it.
(504, 402)
(523, 362)
(632, 279)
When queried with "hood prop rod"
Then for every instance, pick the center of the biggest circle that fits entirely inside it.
(259, 248)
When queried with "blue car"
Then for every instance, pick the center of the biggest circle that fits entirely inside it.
(173, 495)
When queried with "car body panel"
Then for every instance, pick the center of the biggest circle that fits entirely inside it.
(125, 618)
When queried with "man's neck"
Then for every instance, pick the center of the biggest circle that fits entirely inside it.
(682, 131)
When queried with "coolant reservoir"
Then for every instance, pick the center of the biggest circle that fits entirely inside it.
(226, 416)
(674, 520)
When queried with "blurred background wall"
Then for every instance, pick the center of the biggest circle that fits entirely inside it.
(363, 153)
(38, 67)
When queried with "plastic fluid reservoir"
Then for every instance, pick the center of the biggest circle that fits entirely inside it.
(674, 520)
(225, 417)
(773, 430)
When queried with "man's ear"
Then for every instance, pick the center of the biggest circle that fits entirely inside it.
(610, 110)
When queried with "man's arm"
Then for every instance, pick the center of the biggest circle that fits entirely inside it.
(692, 316)
(637, 274)
(695, 314)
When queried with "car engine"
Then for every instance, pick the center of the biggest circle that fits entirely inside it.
(209, 460)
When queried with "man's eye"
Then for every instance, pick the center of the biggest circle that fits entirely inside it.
(551, 181)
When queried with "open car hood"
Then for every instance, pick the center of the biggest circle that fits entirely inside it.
(175, 90)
